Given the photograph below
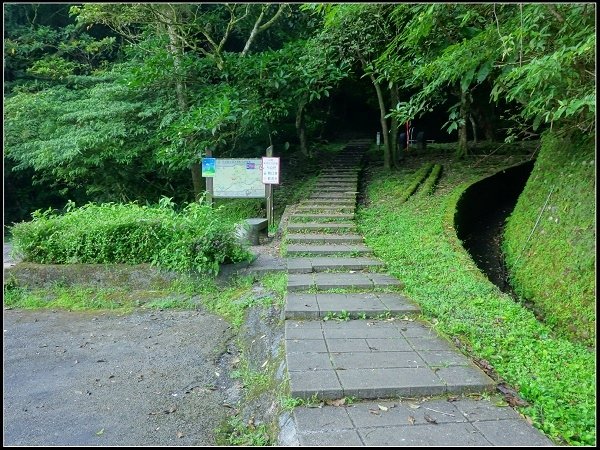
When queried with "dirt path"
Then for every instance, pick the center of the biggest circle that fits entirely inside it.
(147, 378)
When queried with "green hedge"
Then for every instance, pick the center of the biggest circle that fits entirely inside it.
(429, 184)
(197, 238)
(416, 180)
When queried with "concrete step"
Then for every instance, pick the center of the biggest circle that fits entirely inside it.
(325, 209)
(375, 359)
(328, 249)
(321, 201)
(327, 180)
(324, 238)
(347, 186)
(465, 422)
(333, 195)
(310, 264)
(319, 227)
(325, 281)
(322, 217)
(356, 305)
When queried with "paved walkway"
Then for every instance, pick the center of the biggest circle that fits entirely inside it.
(387, 362)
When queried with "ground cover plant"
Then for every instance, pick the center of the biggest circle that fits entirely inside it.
(417, 241)
(550, 238)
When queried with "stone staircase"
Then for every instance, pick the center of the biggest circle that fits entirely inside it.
(385, 359)
(332, 273)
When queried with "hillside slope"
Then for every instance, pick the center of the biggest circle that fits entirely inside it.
(552, 264)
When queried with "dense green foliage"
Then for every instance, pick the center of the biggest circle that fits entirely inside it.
(550, 253)
(538, 56)
(118, 102)
(197, 238)
(418, 242)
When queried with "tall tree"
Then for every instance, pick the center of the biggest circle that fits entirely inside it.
(191, 31)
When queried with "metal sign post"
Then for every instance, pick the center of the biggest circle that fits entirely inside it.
(209, 179)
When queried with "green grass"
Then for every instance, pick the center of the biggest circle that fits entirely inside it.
(235, 432)
(76, 298)
(418, 242)
(553, 264)
(277, 284)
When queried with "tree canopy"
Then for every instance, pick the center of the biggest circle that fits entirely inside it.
(120, 101)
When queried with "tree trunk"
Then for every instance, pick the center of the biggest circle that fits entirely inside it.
(197, 180)
(384, 126)
(300, 125)
(474, 127)
(395, 98)
(463, 148)
(182, 101)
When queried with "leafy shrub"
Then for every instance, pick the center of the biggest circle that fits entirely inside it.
(198, 238)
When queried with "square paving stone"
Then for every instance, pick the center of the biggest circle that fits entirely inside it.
(366, 333)
(443, 434)
(480, 410)
(301, 306)
(431, 343)
(512, 433)
(308, 361)
(465, 379)
(440, 358)
(349, 302)
(347, 345)
(416, 329)
(374, 360)
(299, 265)
(342, 281)
(302, 324)
(345, 438)
(303, 330)
(323, 383)
(381, 279)
(361, 326)
(322, 419)
(398, 302)
(389, 345)
(304, 333)
(305, 346)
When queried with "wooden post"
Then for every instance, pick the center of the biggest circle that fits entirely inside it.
(209, 183)
(269, 194)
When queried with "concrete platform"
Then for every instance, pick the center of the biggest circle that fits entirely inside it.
(403, 422)
(375, 359)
